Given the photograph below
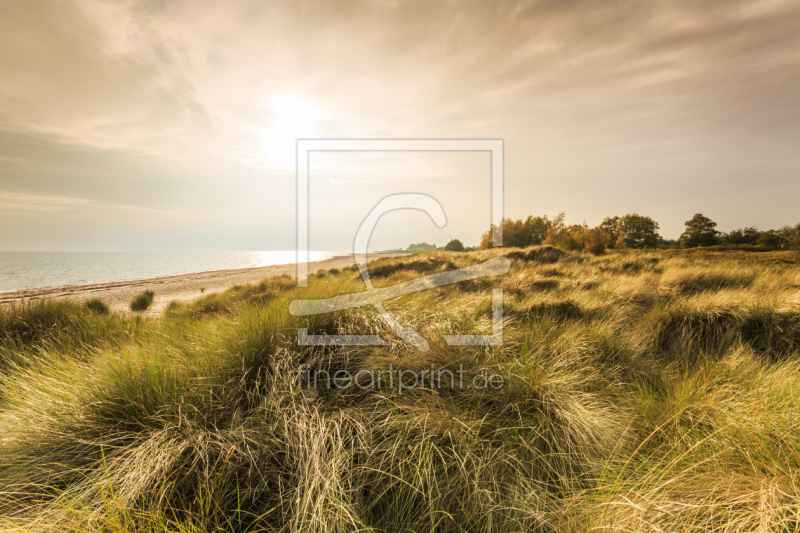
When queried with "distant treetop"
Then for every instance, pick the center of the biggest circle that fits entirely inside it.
(454, 246)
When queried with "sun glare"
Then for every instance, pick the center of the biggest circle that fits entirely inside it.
(293, 119)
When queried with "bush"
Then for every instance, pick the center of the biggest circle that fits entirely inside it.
(96, 305)
(142, 301)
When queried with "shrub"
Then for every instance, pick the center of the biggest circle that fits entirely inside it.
(142, 301)
(96, 305)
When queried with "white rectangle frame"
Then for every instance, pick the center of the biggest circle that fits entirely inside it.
(306, 146)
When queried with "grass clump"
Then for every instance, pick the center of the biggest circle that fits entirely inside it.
(142, 301)
(97, 305)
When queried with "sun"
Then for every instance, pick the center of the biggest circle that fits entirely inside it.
(293, 119)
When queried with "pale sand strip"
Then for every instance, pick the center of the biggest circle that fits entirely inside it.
(184, 287)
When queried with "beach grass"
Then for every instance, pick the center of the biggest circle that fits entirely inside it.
(142, 301)
(97, 305)
(641, 391)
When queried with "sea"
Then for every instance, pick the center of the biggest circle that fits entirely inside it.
(39, 270)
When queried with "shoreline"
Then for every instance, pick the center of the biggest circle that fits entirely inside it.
(181, 287)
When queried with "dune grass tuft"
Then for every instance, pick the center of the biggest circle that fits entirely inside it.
(142, 301)
(97, 305)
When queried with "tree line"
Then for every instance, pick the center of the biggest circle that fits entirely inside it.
(635, 231)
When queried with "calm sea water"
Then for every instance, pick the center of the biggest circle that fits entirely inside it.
(36, 270)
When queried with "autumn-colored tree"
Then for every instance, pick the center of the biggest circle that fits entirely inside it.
(637, 231)
(596, 241)
(519, 233)
(577, 237)
(571, 237)
(557, 232)
(486, 239)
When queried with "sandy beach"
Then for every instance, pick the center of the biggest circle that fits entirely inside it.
(184, 287)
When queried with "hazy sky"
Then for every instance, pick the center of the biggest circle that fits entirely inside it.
(171, 125)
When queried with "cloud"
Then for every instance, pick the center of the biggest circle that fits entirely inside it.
(34, 202)
(17, 202)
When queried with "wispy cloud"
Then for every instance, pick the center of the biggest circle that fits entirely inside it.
(60, 204)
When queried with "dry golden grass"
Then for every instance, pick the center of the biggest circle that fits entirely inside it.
(646, 391)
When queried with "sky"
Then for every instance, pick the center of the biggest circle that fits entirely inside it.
(154, 125)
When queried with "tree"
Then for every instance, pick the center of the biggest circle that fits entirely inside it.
(637, 231)
(421, 247)
(770, 239)
(571, 237)
(700, 231)
(610, 226)
(557, 232)
(748, 235)
(536, 228)
(454, 246)
(793, 239)
(486, 239)
(577, 237)
(519, 233)
(596, 241)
